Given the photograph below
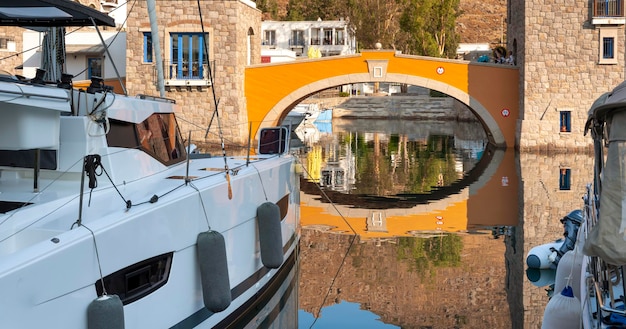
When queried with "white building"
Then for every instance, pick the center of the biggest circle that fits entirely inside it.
(329, 37)
(85, 54)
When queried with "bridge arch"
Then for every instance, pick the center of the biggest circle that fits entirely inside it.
(280, 110)
(489, 90)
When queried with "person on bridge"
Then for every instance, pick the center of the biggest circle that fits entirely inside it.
(510, 59)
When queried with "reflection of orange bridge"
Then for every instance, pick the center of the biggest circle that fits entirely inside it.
(490, 90)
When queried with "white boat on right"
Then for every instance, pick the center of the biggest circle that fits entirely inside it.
(592, 291)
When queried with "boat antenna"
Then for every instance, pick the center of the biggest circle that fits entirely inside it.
(216, 103)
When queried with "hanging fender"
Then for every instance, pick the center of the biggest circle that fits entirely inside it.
(270, 236)
(213, 264)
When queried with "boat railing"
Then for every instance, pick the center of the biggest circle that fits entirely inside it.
(606, 282)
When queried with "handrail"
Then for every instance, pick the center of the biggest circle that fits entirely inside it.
(608, 8)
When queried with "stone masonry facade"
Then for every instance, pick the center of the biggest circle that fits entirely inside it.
(558, 53)
(234, 40)
(11, 59)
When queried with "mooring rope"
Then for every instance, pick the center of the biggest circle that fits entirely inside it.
(345, 256)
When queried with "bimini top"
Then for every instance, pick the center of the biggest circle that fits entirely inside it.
(50, 13)
(606, 104)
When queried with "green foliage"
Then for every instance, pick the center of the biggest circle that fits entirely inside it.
(431, 25)
(421, 167)
(269, 8)
(417, 27)
(427, 254)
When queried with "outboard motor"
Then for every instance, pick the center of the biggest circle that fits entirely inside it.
(571, 223)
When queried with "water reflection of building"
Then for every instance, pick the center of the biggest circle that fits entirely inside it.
(338, 166)
(544, 202)
(384, 277)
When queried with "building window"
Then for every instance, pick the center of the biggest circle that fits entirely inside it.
(315, 36)
(565, 179)
(94, 67)
(607, 48)
(328, 37)
(297, 38)
(147, 47)
(339, 37)
(269, 38)
(7, 44)
(608, 37)
(188, 56)
(565, 121)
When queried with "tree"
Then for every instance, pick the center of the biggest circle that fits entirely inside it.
(431, 27)
(417, 27)
(269, 8)
(375, 21)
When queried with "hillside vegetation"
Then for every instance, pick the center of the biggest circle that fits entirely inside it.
(417, 27)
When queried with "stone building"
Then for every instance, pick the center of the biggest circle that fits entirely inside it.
(10, 46)
(231, 32)
(567, 56)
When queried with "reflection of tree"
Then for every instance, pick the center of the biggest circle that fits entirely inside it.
(398, 165)
(430, 253)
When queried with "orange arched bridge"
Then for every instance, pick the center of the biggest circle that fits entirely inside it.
(490, 90)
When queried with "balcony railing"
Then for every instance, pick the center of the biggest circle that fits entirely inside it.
(187, 73)
(608, 8)
(296, 42)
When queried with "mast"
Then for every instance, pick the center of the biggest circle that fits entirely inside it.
(156, 45)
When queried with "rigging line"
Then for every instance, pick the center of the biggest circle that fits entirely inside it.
(215, 113)
(201, 203)
(36, 195)
(261, 180)
(211, 78)
(345, 256)
(106, 48)
(332, 282)
(326, 196)
(35, 222)
(95, 245)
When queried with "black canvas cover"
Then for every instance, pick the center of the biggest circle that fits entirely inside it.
(50, 13)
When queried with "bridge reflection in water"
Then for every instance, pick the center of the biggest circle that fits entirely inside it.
(442, 256)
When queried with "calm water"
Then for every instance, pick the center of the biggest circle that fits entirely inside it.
(426, 227)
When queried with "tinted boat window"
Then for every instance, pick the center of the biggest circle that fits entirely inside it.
(158, 136)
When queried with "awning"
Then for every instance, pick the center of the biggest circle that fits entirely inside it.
(84, 49)
(48, 13)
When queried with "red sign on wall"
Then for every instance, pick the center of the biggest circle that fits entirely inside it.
(266, 59)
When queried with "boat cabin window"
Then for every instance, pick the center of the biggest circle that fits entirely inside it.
(28, 158)
(158, 136)
(273, 140)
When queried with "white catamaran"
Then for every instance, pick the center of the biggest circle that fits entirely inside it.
(108, 221)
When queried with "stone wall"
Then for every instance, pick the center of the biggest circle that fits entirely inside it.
(228, 24)
(543, 204)
(12, 59)
(557, 50)
(403, 107)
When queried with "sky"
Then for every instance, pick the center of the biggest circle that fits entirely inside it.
(344, 315)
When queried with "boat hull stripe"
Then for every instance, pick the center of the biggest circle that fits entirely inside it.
(201, 315)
